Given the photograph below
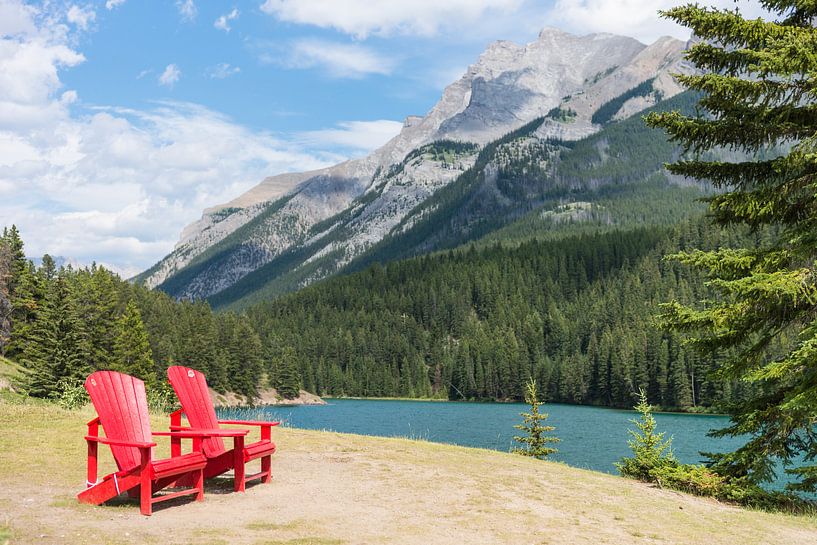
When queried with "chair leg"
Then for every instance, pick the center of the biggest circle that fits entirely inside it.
(200, 484)
(266, 467)
(145, 484)
(145, 493)
(239, 483)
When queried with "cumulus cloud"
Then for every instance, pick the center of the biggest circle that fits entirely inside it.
(339, 60)
(109, 184)
(222, 70)
(187, 9)
(81, 17)
(170, 76)
(356, 136)
(481, 19)
(16, 18)
(636, 18)
(363, 17)
(111, 4)
(223, 22)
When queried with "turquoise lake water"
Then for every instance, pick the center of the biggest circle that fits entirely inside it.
(591, 437)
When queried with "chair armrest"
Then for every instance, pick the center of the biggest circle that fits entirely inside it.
(248, 423)
(202, 433)
(120, 443)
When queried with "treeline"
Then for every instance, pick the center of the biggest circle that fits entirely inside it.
(609, 109)
(62, 323)
(574, 313)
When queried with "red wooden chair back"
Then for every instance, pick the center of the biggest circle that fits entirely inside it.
(191, 389)
(122, 407)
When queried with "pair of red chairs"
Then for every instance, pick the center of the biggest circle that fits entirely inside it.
(122, 411)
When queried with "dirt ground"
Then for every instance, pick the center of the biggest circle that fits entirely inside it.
(333, 488)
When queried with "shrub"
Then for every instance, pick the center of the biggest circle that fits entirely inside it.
(70, 394)
(653, 462)
(703, 481)
(162, 398)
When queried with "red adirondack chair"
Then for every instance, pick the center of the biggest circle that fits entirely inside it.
(191, 388)
(121, 406)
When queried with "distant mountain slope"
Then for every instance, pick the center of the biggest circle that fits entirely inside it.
(507, 180)
(286, 216)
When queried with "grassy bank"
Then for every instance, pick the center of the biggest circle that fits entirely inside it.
(339, 488)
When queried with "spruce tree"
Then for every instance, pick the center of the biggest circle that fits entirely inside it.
(535, 441)
(131, 349)
(757, 84)
(5, 297)
(286, 378)
(25, 291)
(57, 348)
(650, 449)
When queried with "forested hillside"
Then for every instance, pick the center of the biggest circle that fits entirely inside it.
(574, 313)
(62, 324)
(515, 175)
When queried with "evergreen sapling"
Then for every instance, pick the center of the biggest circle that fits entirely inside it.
(535, 442)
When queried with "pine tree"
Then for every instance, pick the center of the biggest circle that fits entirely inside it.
(57, 347)
(5, 297)
(25, 290)
(535, 442)
(286, 378)
(131, 349)
(757, 98)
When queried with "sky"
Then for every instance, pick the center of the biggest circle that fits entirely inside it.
(121, 120)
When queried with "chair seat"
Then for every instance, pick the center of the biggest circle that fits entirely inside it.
(258, 449)
(179, 464)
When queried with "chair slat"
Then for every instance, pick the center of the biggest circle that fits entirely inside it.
(191, 388)
(121, 404)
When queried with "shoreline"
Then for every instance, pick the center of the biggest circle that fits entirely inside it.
(266, 397)
(656, 409)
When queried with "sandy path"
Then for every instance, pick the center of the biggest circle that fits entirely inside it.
(334, 488)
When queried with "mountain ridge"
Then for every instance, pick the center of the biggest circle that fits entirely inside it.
(558, 71)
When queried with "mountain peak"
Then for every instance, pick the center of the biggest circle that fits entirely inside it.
(508, 86)
(550, 32)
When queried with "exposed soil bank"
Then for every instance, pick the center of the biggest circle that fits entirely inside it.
(268, 396)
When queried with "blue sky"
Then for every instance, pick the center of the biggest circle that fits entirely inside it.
(121, 120)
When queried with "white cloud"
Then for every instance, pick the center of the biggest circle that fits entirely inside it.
(636, 18)
(339, 60)
(357, 136)
(222, 70)
(109, 184)
(111, 4)
(223, 22)
(81, 17)
(187, 9)
(170, 76)
(16, 18)
(364, 17)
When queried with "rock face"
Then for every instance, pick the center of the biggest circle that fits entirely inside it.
(322, 219)
(267, 396)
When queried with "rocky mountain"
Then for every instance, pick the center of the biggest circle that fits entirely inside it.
(296, 228)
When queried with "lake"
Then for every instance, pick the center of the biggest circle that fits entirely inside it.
(592, 437)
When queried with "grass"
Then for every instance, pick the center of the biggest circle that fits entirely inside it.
(8, 369)
(5, 533)
(332, 488)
